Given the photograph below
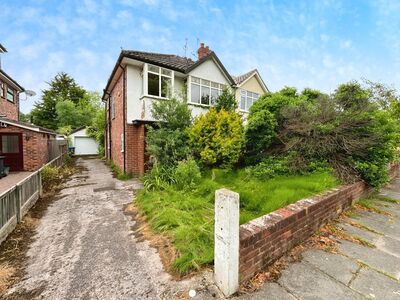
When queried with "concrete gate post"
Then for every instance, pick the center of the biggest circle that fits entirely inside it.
(226, 251)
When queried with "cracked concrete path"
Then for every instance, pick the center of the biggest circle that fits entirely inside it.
(84, 248)
(356, 272)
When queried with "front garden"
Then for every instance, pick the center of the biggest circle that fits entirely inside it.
(293, 145)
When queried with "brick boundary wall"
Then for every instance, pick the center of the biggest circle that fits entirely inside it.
(265, 239)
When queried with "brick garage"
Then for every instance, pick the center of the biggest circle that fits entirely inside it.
(33, 150)
(267, 238)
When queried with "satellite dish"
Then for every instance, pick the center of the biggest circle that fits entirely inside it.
(30, 93)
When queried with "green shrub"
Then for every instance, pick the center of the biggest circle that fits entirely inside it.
(187, 174)
(217, 138)
(50, 175)
(167, 140)
(226, 101)
(269, 168)
(158, 178)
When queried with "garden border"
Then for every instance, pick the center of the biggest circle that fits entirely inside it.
(267, 238)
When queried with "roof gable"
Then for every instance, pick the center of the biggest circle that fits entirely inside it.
(243, 78)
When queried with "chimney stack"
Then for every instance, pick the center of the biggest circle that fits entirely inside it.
(203, 51)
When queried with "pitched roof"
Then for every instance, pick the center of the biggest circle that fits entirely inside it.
(175, 62)
(240, 78)
(27, 126)
(12, 80)
(170, 61)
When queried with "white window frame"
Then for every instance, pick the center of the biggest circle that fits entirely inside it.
(147, 71)
(13, 94)
(2, 89)
(201, 85)
(247, 95)
(112, 107)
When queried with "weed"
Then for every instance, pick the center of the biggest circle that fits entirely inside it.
(187, 216)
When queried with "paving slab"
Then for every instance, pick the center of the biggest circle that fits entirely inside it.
(376, 285)
(339, 267)
(358, 232)
(307, 282)
(373, 257)
(270, 291)
(389, 226)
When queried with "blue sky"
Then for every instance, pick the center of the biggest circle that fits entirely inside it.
(316, 44)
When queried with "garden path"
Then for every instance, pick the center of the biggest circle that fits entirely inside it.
(84, 247)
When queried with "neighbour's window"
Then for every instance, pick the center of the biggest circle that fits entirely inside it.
(10, 94)
(247, 99)
(204, 91)
(2, 89)
(10, 144)
(122, 142)
(159, 82)
(112, 107)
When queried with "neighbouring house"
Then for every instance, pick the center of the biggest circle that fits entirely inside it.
(140, 78)
(26, 147)
(82, 142)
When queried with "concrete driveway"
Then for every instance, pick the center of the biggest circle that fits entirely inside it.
(84, 247)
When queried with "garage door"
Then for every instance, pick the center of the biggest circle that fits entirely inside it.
(85, 146)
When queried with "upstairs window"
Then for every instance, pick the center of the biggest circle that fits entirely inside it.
(204, 91)
(247, 99)
(1, 89)
(159, 82)
(112, 107)
(10, 94)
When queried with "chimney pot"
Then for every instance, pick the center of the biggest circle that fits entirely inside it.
(203, 51)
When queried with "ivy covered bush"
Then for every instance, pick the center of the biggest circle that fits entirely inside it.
(350, 130)
(216, 138)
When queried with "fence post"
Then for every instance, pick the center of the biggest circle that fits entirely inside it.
(40, 183)
(18, 202)
(226, 251)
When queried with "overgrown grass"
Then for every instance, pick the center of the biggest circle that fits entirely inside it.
(188, 217)
(119, 174)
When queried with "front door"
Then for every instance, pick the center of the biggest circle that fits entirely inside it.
(11, 148)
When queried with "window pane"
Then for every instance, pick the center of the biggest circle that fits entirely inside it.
(214, 96)
(10, 94)
(205, 95)
(243, 102)
(10, 143)
(166, 72)
(256, 96)
(154, 69)
(165, 86)
(249, 102)
(153, 84)
(222, 86)
(205, 82)
(195, 79)
(195, 93)
(243, 92)
(1, 89)
(214, 85)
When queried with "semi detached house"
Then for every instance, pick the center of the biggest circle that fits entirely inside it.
(141, 78)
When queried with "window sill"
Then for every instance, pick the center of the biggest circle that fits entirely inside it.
(153, 97)
(199, 104)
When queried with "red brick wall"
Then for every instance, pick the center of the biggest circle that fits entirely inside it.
(117, 124)
(134, 136)
(10, 109)
(34, 144)
(135, 148)
(267, 238)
